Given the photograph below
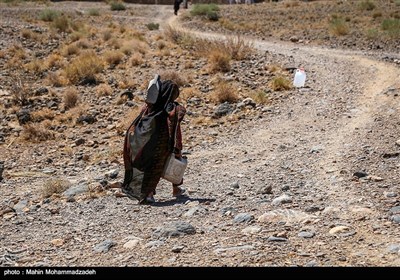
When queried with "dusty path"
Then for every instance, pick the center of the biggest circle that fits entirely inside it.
(357, 81)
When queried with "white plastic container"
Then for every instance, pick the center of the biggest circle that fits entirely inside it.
(174, 169)
(299, 77)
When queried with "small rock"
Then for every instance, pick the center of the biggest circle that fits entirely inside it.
(174, 229)
(398, 142)
(155, 243)
(374, 178)
(112, 174)
(312, 209)
(57, 242)
(74, 190)
(396, 219)
(394, 248)
(80, 141)
(311, 264)
(265, 190)
(338, 229)
(276, 239)
(360, 174)
(131, 244)
(104, 246)
(20, 206)
(251, 230)
(282, 199)
(243, 218)
(306, 234)
(197, 210)
(177, 248)
(389, 194)
(395, 210)
(235, 185)
(234, 248)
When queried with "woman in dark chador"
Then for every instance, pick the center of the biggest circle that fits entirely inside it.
(151, 138)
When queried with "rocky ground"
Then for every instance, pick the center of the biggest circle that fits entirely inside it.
(310, 178)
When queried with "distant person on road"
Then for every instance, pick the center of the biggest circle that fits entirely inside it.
(177, 3)
(150, 139)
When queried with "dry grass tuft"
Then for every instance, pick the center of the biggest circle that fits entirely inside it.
(260, 97)
(56, 79)
(54, 186)
(280, 83)
(224, 92)
(338, 26)
(36, 133)
(136, 60)
(174, 76)
(113, 57)
(103, 90)
(70, 98)
(43, 114)
(219, 61)
(84, 68)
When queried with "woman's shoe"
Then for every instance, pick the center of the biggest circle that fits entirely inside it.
(128, 193)
(181, 192)
(147, 200)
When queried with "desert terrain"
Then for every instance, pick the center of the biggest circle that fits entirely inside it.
(277, 175)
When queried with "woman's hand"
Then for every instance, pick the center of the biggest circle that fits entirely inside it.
(178, 154)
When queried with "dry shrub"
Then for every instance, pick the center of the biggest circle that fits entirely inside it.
(174, 76)
(136, 60)
(36, 133)
(127, 48)
(56, 79)
(125, 82)
(224, 92)
(54, 186)
(234, 47)
(179, 37)
(71, 49)
(115, 43)
(137, 46)
(273, 68)
(113, 57)
(20, 91)
(2, 53)
(103, 90)
(54, 61)
(35, 66)
(29, 34)
(75, 36)
(161, 45)
(260, 97)
(73, 114)
(84, 67)
(187, 93)
(43, 114)
(83, 44)
(219, 61)
(202, 120)
(338, 26)
(107, 35)
(237, 48)
(61, 24)
(188, 64)
(70, 98)
(280, 83)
